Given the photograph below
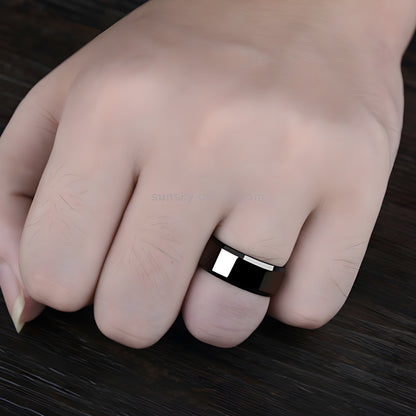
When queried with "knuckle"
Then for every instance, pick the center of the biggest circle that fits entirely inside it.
(220, 320)
(297, 316)
(226, 129)
(36, 94)
(373, 152)
(114, 94)
(156, 249)
(219, 118)
(46, 289)
(213, 333)
(149, 262)
(113, 85)
(115, 325)
(35, 110)
(270, 249)
(50, 278)
(368, 158)
(56, 212)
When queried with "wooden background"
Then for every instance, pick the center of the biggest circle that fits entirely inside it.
(361, 363)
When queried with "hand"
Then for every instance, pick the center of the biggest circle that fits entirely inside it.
(273, 125)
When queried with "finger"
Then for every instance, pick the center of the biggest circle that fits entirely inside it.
(78, 205)
(326, 259)
(221, 314)
(24, 149)
(156, 251)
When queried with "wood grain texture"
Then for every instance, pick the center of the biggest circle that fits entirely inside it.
(361, 363)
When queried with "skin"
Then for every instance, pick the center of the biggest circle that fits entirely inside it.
(280, 119)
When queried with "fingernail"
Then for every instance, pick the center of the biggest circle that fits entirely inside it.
(17, 311)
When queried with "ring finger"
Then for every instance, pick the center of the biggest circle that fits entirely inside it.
(221, 314)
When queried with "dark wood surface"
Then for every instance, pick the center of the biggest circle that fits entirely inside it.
(362, 363)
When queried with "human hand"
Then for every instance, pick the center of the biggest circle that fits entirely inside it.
(216, 100)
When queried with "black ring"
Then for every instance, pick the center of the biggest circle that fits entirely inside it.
(239, 269)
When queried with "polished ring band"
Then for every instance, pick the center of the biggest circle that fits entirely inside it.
(239, 269)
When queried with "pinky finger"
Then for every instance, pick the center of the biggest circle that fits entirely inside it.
(325, 262)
